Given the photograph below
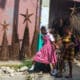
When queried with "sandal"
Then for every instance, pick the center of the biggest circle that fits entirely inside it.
(70, 76)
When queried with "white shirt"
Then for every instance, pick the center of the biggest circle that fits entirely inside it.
(51, 37)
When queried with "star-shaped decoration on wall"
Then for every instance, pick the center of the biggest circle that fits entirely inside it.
(27, 16)
(74, 9)
(5, 26)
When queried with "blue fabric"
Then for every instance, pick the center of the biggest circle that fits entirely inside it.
(40, 42)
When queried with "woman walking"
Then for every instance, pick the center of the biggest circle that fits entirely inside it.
(47, 54)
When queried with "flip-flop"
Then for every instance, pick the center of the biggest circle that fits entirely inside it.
(68, 76)
(58, 76)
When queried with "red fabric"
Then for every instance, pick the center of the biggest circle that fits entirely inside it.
(47, 54)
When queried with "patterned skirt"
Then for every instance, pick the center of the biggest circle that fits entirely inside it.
(68, 54)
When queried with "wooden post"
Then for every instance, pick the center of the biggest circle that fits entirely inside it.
(15, 39)
(37, 25)
(15, 44)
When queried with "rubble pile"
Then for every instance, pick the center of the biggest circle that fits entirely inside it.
(12, 71)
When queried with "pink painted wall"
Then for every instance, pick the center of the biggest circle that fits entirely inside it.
(7, 12)
(31, 5)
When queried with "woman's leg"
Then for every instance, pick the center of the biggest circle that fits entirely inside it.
(53, 69)
(70, 69)
(51, 66)
(59, 74)
(33, 66)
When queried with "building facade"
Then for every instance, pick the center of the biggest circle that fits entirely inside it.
(44, 12)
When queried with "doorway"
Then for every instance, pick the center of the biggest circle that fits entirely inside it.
(60, 9)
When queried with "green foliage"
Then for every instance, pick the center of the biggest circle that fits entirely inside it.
(27, 63)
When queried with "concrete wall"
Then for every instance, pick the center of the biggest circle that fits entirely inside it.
(31, 5)
(7, 13)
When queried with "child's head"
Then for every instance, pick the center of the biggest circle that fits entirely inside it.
(50, 30)
(59, 40)
(43, 30)
(69, 31)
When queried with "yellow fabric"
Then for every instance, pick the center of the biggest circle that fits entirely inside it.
(66, 39)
